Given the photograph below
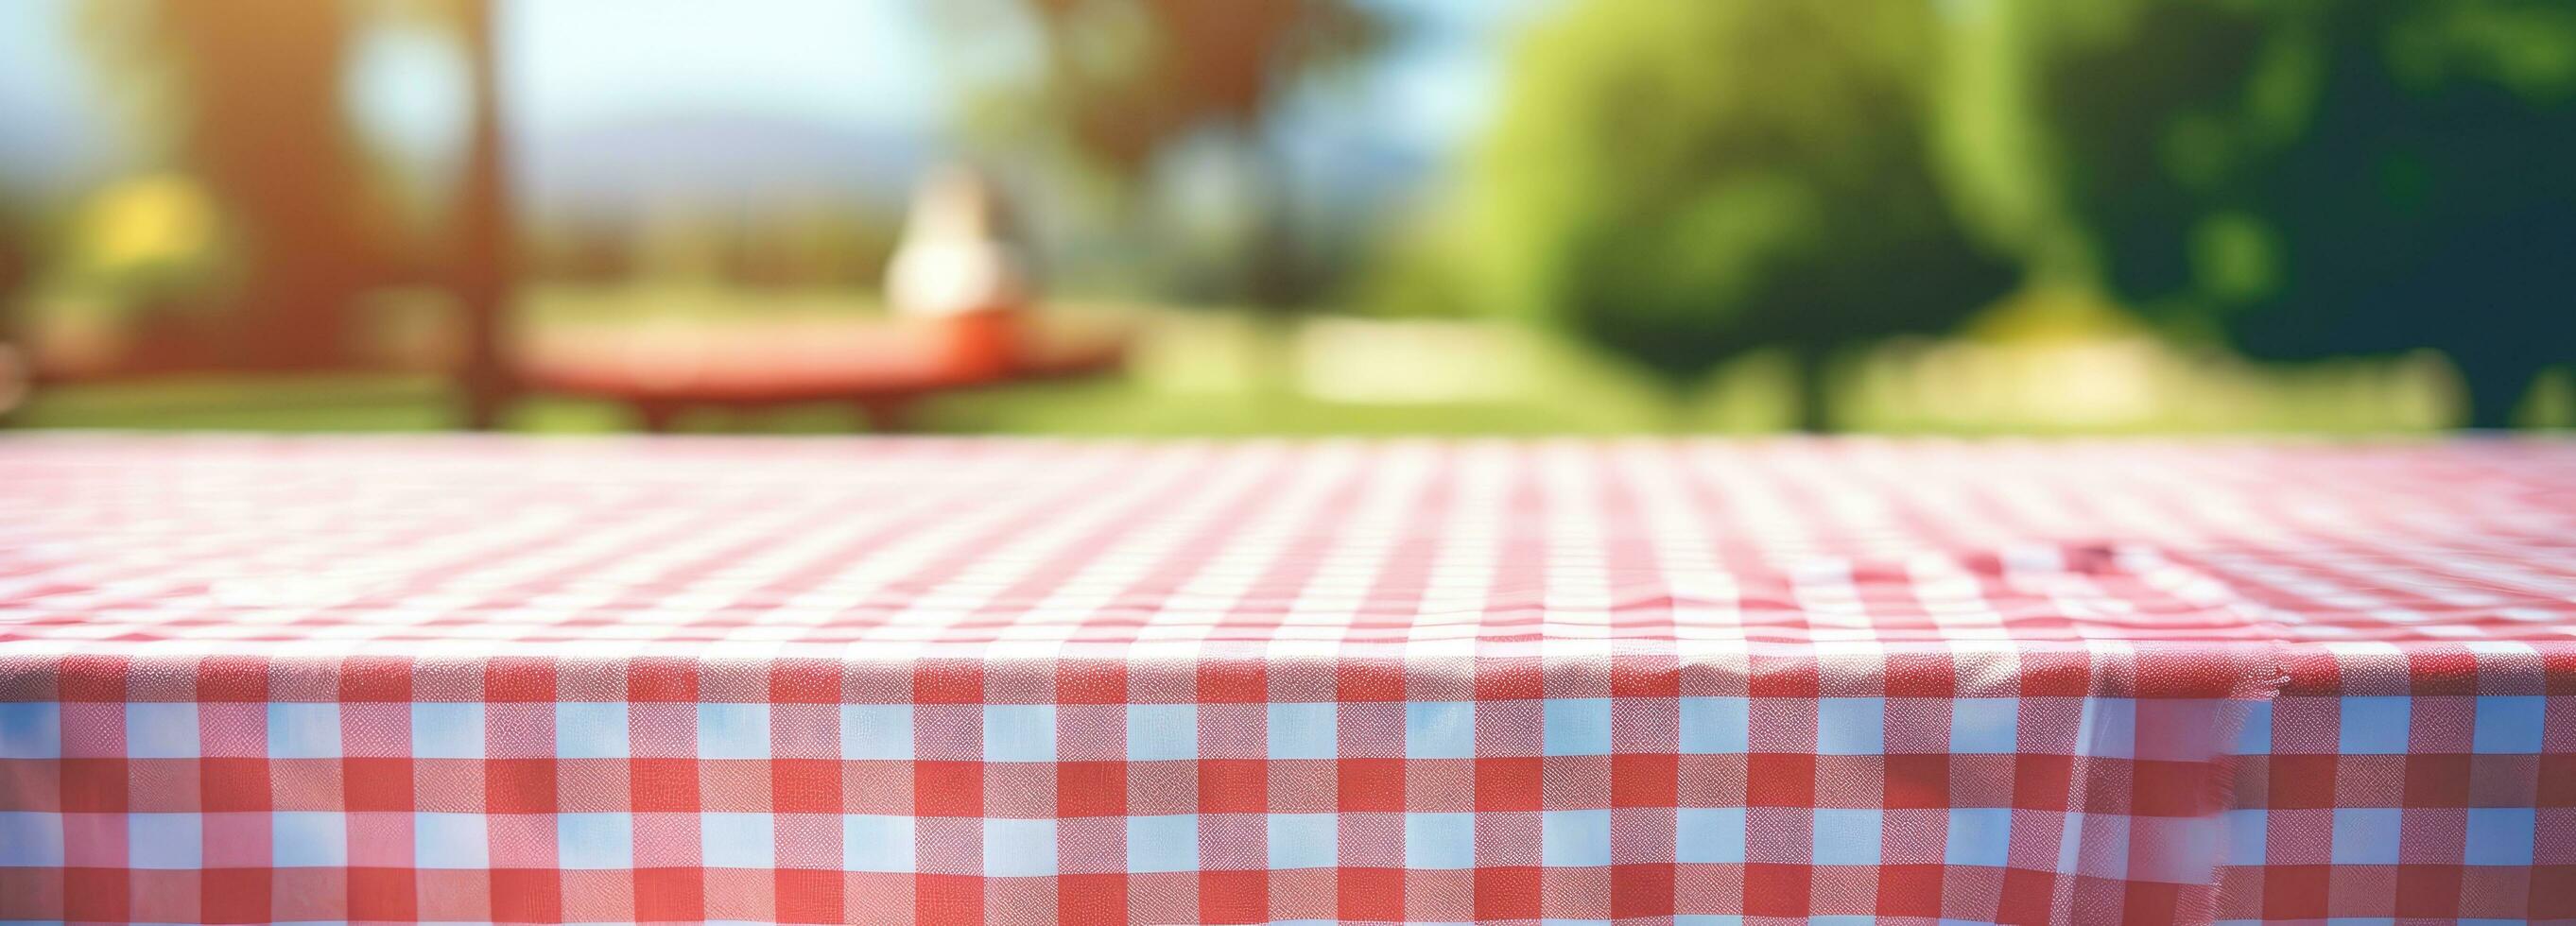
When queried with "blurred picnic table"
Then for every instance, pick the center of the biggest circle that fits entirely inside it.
(881, 366)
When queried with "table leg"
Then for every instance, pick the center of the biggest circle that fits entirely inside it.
(656, 415)
(886, 414)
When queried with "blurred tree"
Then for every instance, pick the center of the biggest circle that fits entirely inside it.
(251, 95)
(1127, 80)
(257, 89)
(1681, 182)
(2313, 178)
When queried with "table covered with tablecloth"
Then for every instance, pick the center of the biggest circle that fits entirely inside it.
(469, 679)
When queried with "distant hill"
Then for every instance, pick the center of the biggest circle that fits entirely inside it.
(725, 161)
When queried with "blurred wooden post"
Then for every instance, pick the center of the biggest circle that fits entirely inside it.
(17, 363)
(484, 270)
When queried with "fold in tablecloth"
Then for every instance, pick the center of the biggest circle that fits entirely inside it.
(443, 679)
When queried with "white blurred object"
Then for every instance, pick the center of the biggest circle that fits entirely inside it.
(957, 256)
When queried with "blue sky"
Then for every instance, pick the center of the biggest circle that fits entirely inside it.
(868, 64)
(50, 123)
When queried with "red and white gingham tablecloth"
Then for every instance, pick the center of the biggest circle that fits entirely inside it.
(471, 680)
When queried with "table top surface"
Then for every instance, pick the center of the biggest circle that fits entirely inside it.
(996, 548)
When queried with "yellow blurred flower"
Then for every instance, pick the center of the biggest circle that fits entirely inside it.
(153, 220)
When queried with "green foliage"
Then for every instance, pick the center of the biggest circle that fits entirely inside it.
(1132, 77)
(1682, 182)
(2313, 178)
(1119, 86)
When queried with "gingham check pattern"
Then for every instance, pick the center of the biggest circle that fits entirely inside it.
(467, 680)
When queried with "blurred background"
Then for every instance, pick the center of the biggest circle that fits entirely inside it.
(1289, 216)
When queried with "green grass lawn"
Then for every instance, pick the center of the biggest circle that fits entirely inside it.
(1203, 373)
(1114, 406)
(409, 403)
